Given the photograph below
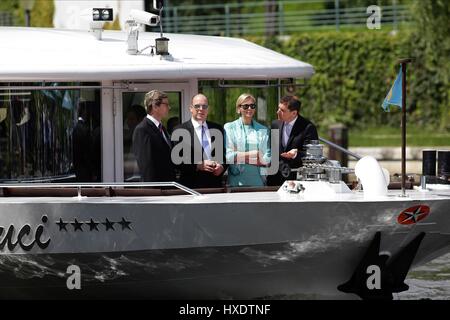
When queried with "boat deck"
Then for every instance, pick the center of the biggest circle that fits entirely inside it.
(251, 195)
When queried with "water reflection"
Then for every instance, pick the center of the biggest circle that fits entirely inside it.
(36, 133)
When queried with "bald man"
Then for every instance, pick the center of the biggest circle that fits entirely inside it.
(202, 171)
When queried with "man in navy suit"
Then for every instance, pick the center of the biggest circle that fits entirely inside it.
(295, 131)
(206, 166)
(151, 142)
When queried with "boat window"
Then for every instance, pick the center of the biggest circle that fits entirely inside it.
(223, 100)
(133, 113)
(50, 135)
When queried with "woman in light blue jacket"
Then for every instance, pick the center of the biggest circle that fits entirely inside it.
(247, 146)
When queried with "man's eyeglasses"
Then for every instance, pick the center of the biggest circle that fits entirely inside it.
(201, 106)
(246, 106)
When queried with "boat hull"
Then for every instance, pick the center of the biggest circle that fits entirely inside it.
(201, 250)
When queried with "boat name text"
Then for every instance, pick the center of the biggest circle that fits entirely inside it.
(11, 241)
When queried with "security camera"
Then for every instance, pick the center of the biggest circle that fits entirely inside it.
(138, 17)
(144, 17)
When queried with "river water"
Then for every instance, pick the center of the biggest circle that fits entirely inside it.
(430, 281)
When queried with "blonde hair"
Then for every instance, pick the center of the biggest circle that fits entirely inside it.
(154, 98)
(242, 98)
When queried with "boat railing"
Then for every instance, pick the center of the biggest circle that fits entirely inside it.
(105, 185)
(338, 147)
(47, 179)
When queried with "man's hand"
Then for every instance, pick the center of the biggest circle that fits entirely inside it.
(207, 165)
(291, 154)
(218, 169)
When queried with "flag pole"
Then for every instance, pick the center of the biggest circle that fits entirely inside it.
(403, 63)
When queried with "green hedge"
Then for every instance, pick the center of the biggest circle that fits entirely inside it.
(41, 13)
(354, 72)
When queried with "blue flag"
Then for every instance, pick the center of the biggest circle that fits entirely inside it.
(394, 96)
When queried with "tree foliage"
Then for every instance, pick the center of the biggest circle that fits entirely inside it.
(13, 7)
(9, 5)
(42, 14)
(114, 25)
(432, 21)
(363, 3)
(354, 72)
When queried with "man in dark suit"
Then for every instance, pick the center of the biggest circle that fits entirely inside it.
(151, 142)
(295, 131)
(206, 166)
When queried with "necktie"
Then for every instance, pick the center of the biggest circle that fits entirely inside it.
(286, 134)
(205, 144)
(163, 134)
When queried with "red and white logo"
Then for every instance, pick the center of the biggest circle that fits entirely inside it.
(413, 214)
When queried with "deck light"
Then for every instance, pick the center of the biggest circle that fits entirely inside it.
(162, 46)
(102, 14)
(97, 17)
(106, 16)
(95, 14)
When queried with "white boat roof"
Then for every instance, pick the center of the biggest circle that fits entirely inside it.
(41, 54)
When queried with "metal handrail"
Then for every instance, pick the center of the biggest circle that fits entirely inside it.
(222, 84)
(47, 179)
(79, 186)
(331, 144)
(68, 87)
(244, 23)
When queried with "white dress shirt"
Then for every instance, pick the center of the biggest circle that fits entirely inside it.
(157, 123)
(287, 129)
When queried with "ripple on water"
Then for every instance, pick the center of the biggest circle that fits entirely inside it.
(430, 281)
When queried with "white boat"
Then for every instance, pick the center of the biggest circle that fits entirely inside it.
(312, 237)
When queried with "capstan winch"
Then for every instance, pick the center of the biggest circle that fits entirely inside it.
(316, 167)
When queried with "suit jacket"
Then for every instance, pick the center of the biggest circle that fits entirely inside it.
(152, 153)
(189, 176)
(302, 132)
(238, 139)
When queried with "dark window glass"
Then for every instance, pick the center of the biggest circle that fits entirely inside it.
(50, 135)
(222, 101)
(133, 113)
